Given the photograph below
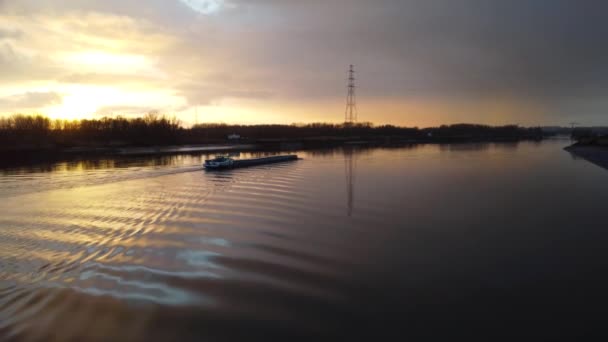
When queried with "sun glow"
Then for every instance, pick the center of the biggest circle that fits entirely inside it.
(81, 102)
(117, 63)
(103, 58)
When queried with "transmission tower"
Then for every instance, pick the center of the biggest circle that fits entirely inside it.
(350, 115)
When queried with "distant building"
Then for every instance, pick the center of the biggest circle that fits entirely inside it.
(234, 136)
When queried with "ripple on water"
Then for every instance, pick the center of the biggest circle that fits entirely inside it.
(84, 253)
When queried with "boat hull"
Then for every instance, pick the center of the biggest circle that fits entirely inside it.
(253, 162)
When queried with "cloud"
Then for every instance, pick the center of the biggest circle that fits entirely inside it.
(540, 48)
(210, 91)
(205, 6)
(29, 101)
(110, 79)
(47, 48)
(9, 33)
(15, 66)
(162, 12)
(545, 54)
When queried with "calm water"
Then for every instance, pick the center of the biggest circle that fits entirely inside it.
(479, 240)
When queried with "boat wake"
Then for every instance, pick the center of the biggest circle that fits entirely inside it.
(16, 183)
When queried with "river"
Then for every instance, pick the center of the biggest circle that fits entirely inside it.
(463, 240)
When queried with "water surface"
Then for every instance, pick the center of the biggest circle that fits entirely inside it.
(434, 240)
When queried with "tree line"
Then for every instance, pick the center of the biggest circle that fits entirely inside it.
(366, 130)
(37, 131)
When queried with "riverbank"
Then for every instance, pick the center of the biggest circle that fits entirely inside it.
(119, 148)
(18, 157)
(25, 153)
(595, 154)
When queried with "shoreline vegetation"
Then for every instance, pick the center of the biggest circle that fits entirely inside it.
(39, 134)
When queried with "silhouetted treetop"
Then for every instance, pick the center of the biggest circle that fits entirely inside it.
(156, 129)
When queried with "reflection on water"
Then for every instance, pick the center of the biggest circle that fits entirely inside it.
(86, 172)
(462, 237)
(350, 169)
(95, 164)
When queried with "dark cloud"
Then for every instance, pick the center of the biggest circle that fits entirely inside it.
(546, 51)
(542, 48)
(527, 48)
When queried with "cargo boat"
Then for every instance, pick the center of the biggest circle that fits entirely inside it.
(225, 162)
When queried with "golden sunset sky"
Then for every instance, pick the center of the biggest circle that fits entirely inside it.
(419, 63)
